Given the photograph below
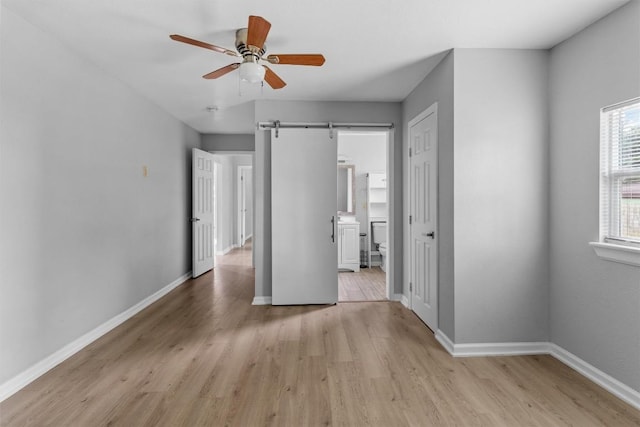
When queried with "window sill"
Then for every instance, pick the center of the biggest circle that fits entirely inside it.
(617, 253)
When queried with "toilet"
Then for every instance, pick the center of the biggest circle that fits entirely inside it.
(380, 241)
(383, 255)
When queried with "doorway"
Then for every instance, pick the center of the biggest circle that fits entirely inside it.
(232, 233)
(303, 168)
(364, 154)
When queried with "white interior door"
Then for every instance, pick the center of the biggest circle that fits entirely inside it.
(244, 204)
(423, 246)
(216, 215)
(303, 217)
(242, 207)
(248, 203)
(202, 217)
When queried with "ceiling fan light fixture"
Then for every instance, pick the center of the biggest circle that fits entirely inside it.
(251, 72)
(250, 46)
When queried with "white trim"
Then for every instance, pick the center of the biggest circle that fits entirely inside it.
(617, 253)
(261, 300)
(228, 249)
(443, 339)
(402, 298)
(24, 378)
(405, 300)
(606, 381)
(492, 349)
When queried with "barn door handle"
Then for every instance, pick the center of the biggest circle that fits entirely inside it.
(333, 229)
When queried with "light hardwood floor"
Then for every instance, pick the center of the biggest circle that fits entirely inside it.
(203, 356)
(367, 285)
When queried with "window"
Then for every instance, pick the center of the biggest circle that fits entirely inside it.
(620, 173)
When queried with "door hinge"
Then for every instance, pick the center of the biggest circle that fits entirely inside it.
(410, 287)
(410, 219)
(410, 152)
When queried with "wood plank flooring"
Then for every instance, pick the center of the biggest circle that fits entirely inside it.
(204, 356)
(367, 285)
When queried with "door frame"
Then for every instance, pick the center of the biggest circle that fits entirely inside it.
(252, 154)
(432, 109)
(391, 198)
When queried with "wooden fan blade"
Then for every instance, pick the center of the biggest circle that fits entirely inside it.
(198, 43)
(257, 31)
(272, 79)
(221, 71)
(294, 59)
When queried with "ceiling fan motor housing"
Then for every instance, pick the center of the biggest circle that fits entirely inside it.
(249, 53)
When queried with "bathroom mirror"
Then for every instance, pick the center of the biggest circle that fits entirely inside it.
(346, 189)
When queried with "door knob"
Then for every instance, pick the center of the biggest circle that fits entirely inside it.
(194, 219)
(432, 234)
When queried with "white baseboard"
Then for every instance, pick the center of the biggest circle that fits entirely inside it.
(261, 301)
(227, 249)
(402, 298)
(21, 380)
(444, 340)
(491, 349)
(606, 381)
(405, 301)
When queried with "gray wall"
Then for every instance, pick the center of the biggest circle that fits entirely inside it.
(436, 87)
(501, 195)
(594, 304)
(228, 142)
(492, 166)
(84, 235)
(293, 111)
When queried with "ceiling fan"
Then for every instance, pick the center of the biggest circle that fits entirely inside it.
(251, 48)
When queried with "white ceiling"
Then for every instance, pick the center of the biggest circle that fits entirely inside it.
(375, 50)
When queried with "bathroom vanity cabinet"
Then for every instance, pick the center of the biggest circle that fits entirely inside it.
(349, 246)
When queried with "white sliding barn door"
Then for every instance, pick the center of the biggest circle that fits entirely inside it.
(423, 247)
(202, 217)
(303, 217)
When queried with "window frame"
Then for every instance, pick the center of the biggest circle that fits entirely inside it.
(612, 245)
